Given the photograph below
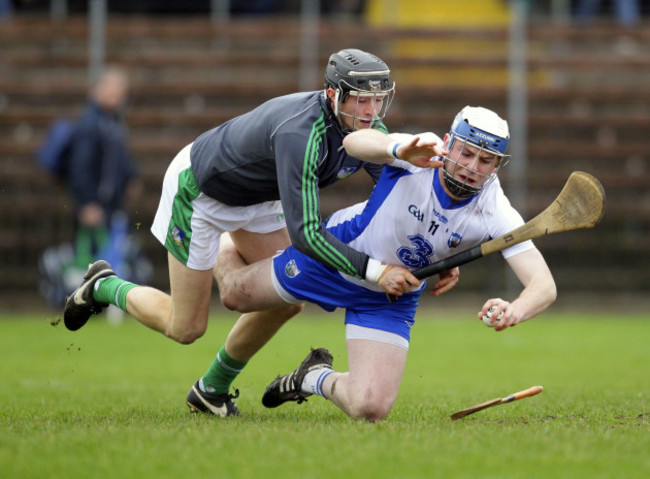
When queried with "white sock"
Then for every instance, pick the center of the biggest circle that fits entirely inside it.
(313, 382)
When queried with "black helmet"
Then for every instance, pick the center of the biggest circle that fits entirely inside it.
(357, 73)
(355, 70)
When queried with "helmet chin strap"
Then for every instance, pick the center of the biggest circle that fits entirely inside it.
(337, 113)
(337, 94)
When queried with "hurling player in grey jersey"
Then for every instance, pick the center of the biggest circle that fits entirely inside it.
(257, 177)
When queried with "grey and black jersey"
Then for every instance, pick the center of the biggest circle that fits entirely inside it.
(287, 149)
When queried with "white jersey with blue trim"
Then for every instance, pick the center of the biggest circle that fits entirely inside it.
(410, 220)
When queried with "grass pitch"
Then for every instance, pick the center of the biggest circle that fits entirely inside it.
(109, 401)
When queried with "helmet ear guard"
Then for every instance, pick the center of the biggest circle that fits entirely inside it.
(357, 73)
(484, 131)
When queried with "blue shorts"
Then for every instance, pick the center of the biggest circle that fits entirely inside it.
(308, 280)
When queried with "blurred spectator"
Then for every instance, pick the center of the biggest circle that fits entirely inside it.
(628, 12)
(6, 9)
(102, 173)
(102, 179)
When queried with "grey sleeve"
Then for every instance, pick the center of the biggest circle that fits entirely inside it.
(297, 163)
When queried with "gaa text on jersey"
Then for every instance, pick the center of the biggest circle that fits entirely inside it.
(415, 211)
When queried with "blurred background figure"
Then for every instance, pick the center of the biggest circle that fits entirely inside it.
(102, 180)
(6, 9)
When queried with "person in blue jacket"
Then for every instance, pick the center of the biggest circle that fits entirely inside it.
(102, 176)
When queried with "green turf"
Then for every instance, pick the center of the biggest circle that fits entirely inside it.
(108, 401)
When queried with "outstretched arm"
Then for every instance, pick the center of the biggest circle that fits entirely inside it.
(538, 294)
(377, 147)
(299, 185)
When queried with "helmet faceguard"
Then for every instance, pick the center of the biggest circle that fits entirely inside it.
(477, 144)
(362, 75)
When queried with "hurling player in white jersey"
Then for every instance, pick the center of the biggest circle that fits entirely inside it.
(414, 217)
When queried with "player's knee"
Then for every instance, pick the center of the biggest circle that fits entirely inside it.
(291, 310)
(187, 335)
(371, 412)
(236, 296)
(232, 299)
(371, 408)
(228, 299)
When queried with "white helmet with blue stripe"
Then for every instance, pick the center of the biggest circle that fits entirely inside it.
(478, 139)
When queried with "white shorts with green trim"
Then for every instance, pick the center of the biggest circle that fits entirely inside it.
(189, 224)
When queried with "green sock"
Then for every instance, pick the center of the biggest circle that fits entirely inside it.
(222, 372)
(112, 290)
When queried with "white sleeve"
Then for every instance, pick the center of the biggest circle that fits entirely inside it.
(518, 248)
(508, 219)
(405, 165)
(404, 137)
(430, 136)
